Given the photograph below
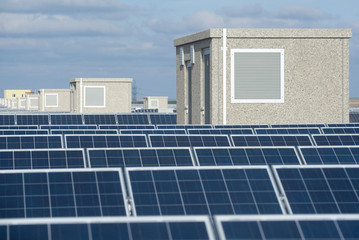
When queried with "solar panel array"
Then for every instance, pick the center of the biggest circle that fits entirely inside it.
(156, 179)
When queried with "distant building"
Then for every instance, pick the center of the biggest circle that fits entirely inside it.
(247, 76)
(15, 93)
(155, 103)
(54, 100)
(32, 102)
(100, 95)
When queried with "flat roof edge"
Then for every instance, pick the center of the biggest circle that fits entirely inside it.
(124, 80)
(265, 33)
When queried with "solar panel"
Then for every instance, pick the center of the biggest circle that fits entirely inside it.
(319, 189)
(183, 126)
(62, 193)
(157, 119)
(30, 141)
(32, 119)
(330, 155)
(118, 127)
(300, 125)
(202, 190)
(66, 119)
(50, 127)
(105, 141)
(7, 119)
(221, 156)
(188, 140)
(109, 228)
(354, 117)
(242, 126)
(135, 119)
(99, 119)
(336, 139)
(153, 131)
(84, 131)
(324, 227)
(45, 158)
(139, 157)
(18, 127)
(267, 131)
(343, 124)
(339, 130)
(271, 140)
(23, 132)
(227, 131)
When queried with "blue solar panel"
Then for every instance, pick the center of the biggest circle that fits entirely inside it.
(202, 190)
(105, 141)
(227, 131)
(139, 157)
(18, 127)
(336, 139)
(188, 140)
(118, 127)
(36, 159)
(30, 142)
(119, 228)
(271, 140)
(339, 130)
(221, 156)
(153, 131)
(23, 132)
(32, 119)
(66, 119)
(84, 131)
(50, 127)
(268, 131)
(135, 119)
(242, 126)
(157, 119)
(316, 190)
(330, 155)
(182, 126)
(99, 119)
(300, 125)
(343, 124)
(62, 193)
(7, 119)
(288, 227)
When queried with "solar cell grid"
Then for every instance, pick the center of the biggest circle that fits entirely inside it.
(83, 131)
(7, 119)
(330, 155)
(37, 159)
(140, 157)
(271, 140)
(32, 119)
(18, 127)
(126, 127)
(336, 139)
(227, 131)
(61, 193)
(183, 126)
(301, 125)
(66, 119)
(221, 156)
(99, 119)
(153, 131)
(343, 124)
(340, 130)
(268, 131)
(169, 140)
(163, 118)
(320, 190)
(119, 228)
(30, 141)
(199, 190)
(23, 132)
(132, 119)
(242, 126)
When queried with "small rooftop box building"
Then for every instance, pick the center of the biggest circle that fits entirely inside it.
(100, 95)
(32, 102)
(54, 100)
(261, 76)
(15, 93)
(155, 103)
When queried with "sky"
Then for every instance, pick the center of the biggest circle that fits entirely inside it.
(45, 43)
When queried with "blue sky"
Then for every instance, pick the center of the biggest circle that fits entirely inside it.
(45, 43)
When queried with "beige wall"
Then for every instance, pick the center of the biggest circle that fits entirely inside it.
(8, 93)
(63, 100)
(117, 95)
(162, 102)
(316, 75)
(29, 98)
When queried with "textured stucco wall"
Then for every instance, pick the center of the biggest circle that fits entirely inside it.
(316, 75)
(162, 102)
(63, 100)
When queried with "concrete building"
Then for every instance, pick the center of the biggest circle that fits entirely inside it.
(32, 102)
(247, 76)
(15, 93)
(21, 103)
(54, 100)
(155, 102)
(100, 95)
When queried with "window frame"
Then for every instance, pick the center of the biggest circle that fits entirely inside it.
(279, 100)
(57, 99)
(104, 97)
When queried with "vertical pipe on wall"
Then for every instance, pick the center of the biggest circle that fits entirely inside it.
(224, 72)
